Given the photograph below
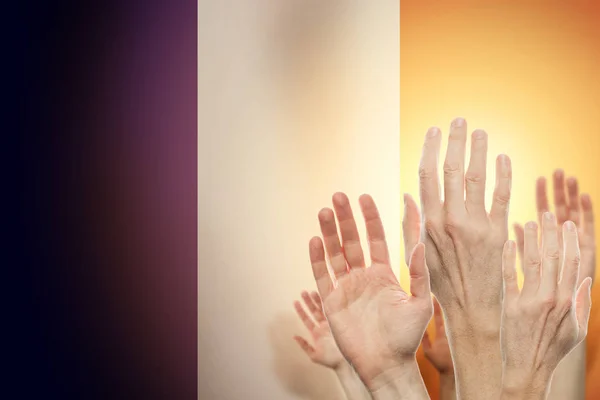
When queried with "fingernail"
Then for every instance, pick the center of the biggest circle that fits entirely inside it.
(504, 160)
(548, 216)
(570, 226)
(479, 134)
(433, 132)
(510, 246)
(458, 123)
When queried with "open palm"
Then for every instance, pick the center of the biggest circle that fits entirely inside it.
(374, 321)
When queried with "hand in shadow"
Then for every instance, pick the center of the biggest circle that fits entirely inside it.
(297, 373)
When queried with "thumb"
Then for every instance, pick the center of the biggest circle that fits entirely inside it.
(583, 304)
(419, 274)
(411, 226)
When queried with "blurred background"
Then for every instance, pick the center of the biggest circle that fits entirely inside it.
(100, 143)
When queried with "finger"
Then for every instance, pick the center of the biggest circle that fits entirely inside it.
(319, 267)
(532, 261)
(550, 254)
(509, 259)
(317, 300)
(419, 275)
(332, 242)
(560, 200)
(573, 192)
(571, 259)
(476, 174)
(501, 201)
(308, 349)
(426, 341)
(454, 168)
(429, 185)
(375, 233)
(438, 316)
(588, 215)
(308, 322)
(520, 236)
(411, 226)
(350, 239)
(583, 304)
(541, 197)
(316, 311)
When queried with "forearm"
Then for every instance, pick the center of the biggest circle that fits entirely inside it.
(476, 354)
(402, 382)
(351, 383)
(447, 387)
(569, 378)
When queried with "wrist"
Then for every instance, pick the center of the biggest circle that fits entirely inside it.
(396, 376)
(518, 384)
(343, 368)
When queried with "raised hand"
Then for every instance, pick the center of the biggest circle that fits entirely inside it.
(544, 321)
(324, 351)
(465, 242)
(464, 252)
(376, 324)
(569, 205)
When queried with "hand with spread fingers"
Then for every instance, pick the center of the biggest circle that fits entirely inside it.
(569, 205)
(325, 351)
(437, 351)
(376, 324)
(464, 252)
(548, 318)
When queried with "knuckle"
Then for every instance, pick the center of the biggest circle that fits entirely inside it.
(548, 302)
(451, 169)
(426, 173)
(473, 178)
(431, 227)
(534, 262)
(502, 198)
(566, 304)
(552, 254)
(451, 225)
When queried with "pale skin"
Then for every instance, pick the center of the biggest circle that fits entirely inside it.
(377, 325)
(324, 351)
(548, 318)
(464, 252)
(436, 349)
(569, 205)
